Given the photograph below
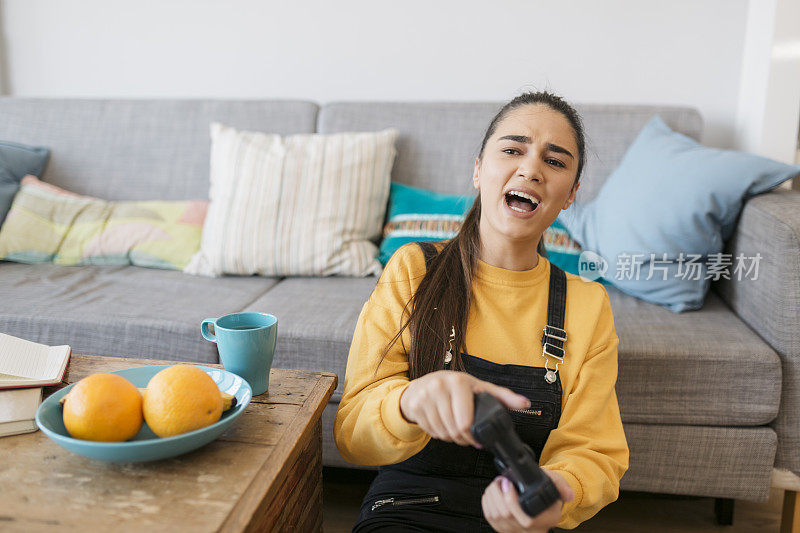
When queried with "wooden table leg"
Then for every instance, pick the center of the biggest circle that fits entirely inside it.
(790, 520)
(298, 503)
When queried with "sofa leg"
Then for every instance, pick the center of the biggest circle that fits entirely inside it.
(723, 511)
(790, 520)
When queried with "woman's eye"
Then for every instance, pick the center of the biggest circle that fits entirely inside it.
(556, 162)
(509, 150)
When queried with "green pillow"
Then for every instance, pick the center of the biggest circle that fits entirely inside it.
(562, 251)
(48, 224)
(421, 215)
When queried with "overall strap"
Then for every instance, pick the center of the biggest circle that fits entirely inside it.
(553, 334)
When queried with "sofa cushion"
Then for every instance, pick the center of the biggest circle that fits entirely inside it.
(316, 321)
(416, 214)
(123, 310)
(698, 368)
(297, 205)
(439, 141)
(717, 462)
(16, 161)
(681, 200)
(129, 149)
(49, 224)
(665, 370)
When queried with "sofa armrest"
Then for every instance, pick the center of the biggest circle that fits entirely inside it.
(770, 304)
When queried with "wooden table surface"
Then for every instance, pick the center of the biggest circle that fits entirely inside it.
(247, 479)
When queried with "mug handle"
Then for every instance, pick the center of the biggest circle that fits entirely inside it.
(205, 331)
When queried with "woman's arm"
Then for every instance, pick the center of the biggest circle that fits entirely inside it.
(589, 447)
(369, 428)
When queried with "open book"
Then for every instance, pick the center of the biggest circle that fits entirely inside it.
(30, 364)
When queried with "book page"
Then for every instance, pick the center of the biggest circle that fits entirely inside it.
(19, 404)
(26, 359)
(9, 377)
(15, 428)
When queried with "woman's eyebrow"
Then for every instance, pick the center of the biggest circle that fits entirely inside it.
(556, 148)
(527, 140)
(516, 138)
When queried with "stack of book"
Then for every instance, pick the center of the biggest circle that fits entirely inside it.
(26, 367)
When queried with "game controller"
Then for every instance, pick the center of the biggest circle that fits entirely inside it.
(493, 428)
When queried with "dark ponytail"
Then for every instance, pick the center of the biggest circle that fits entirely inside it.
(444, 295)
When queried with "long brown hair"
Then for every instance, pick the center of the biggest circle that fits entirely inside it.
(443, 298)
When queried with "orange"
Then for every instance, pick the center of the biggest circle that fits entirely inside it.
(181, 398)
(103, 407)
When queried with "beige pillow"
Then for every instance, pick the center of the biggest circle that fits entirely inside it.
(301, 205)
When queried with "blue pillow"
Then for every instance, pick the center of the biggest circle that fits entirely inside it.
(16, 161)
(421, 215)
(671, 202)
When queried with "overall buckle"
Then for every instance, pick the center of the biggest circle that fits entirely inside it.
(555, 333)
(548, 348)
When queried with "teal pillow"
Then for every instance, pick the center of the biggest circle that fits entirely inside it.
(565, 252)
(17, 161)
(420, 215)
(665, 212)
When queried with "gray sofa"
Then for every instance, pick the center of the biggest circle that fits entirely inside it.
(709, 398)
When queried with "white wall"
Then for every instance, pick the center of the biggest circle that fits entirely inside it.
(769, 98)
(616, 51)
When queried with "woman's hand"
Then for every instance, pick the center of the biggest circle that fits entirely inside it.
(500, 503)
(443, 403)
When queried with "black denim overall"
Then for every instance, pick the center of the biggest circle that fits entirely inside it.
(440, 487)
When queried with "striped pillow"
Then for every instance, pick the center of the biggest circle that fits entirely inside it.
(301, 205)
(421, 215)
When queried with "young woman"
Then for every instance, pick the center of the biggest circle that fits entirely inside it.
(486, 311)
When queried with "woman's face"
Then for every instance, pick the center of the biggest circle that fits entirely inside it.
(526, 174)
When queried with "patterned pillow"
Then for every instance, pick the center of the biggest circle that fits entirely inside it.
(301, 205)
(565, 252)
(421, 215)
(48, 224)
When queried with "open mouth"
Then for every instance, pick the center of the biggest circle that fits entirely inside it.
(521, 202)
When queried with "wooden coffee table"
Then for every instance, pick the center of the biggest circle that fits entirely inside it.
(264, 474)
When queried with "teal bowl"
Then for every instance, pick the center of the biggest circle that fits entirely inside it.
(145, 445)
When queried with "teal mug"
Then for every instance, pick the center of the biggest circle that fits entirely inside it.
(246, 345)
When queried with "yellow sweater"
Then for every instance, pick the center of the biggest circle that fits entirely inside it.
(506, 317)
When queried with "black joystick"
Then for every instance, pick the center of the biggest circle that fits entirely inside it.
(494, 430)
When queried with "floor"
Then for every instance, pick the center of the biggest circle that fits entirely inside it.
(343, 490)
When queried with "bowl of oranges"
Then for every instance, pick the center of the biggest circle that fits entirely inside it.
(145, 413)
